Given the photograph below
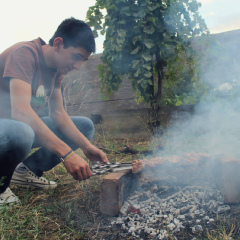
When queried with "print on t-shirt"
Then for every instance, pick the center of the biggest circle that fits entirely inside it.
(41, 97)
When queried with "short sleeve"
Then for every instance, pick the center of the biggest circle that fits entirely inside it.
(20, 64)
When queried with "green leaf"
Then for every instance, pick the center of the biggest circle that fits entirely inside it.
(122, 21)
(139, 14)
(150, 82)
(121, 33)
(148, 75)
(149, 45)
(147, 57)
(148, 67)
(135, 39)
(153, 20)
(178, 103)
(135, 63)
(120, 40)
(149, 30)
(136, 74)
(118, 48)
(135, 51)
(153, 7)
(126, 11)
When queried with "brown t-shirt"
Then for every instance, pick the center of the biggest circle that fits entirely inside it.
(25, 61)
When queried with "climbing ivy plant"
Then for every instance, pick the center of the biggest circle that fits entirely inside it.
(148, 42)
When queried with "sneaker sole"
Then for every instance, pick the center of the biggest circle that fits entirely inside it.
(32, 185)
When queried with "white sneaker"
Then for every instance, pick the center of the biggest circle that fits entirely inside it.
(8, 197)
(29, 179)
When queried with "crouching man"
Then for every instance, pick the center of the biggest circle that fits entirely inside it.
(31, 74)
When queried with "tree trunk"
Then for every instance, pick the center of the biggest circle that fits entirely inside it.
(155, 104)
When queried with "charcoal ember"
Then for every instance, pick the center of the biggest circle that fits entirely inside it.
(170, 217)
(206, 218)
(137, 217)
(193, 209)
(189, 208)
(132, 230)
(163, 235)
(197, 212)
(171, 226)
(118, 221)
(181, 217)
(124, 209)
(184, 209)
(134, 209)
(153, 234)
(154, 188)
(176, 230)
(123, 226)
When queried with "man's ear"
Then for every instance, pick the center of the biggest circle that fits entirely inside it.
(57, 43)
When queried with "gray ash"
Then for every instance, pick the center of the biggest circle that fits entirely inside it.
(161, 211)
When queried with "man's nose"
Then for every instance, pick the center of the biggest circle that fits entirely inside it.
(78, 65)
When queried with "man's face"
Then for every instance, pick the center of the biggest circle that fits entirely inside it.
(68, 59)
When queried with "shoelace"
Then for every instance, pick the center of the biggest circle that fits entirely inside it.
(35, 176)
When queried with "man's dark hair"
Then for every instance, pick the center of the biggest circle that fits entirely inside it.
(75, 33)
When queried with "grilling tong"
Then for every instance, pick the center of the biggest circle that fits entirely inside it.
(100, 168)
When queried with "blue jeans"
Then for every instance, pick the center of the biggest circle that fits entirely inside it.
(17, 139)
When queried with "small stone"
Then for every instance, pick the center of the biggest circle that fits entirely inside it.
(211, 220)
(223, 209)
(197, 228)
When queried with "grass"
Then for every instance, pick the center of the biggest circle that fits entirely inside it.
(71, 211)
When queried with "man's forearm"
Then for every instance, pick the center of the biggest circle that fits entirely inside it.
(68, 128)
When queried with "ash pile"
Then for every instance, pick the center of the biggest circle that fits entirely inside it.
(192, 208)
(174, 204)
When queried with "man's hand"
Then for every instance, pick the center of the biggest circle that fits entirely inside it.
(77, 167)
(94, 154)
